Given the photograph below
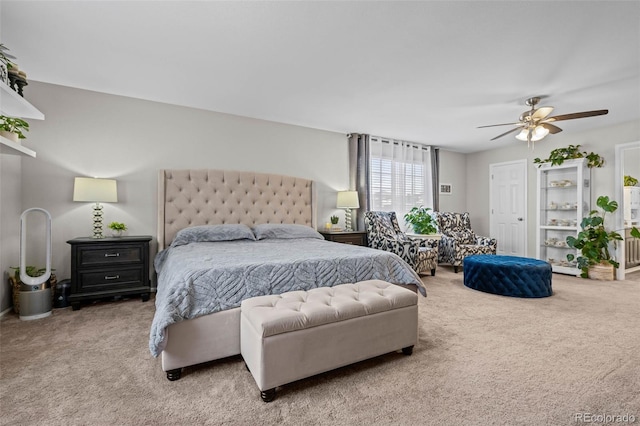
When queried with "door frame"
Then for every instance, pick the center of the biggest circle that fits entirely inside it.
(525, 228)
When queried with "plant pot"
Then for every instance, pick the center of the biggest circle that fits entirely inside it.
(10, 135)
(116, 233)
(604, 271)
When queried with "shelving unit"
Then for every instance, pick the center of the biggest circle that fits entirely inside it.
(12, 148)
(563, 200)
(14, 105)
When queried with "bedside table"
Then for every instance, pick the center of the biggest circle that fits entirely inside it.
(107, 267)
(357, 238)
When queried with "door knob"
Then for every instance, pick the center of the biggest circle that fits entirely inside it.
(520, 219)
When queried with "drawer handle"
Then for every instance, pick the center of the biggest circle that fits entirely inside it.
(112, 255)
(111, 277)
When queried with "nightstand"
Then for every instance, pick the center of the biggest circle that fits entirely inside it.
(108, 267)
(357, 238)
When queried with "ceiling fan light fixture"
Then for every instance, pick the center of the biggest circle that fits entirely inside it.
(538, 133)
(523, 135)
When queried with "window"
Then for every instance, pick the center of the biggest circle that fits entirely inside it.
(400, 176)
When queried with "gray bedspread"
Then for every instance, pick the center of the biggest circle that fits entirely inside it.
(201, 278)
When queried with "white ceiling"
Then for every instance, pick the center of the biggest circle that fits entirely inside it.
(428, 71)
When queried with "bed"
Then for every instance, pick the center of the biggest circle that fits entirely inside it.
(224, 236)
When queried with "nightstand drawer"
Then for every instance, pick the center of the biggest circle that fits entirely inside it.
(109, 255)
(349, 239)
(357, 238)
(111, 279)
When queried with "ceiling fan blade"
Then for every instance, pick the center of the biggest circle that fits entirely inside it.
(506, 133)
(551, 128)
(577, 115)
(505, 124)
(541, 113)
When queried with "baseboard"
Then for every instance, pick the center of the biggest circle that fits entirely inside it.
(6, 311)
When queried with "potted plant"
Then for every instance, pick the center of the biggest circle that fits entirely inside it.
(557, 157)
(334, 223)
(421, 220)
(117, 228)
(12, 128)
(593, 241)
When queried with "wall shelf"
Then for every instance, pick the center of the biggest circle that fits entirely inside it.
(14, 105)
(10, 147)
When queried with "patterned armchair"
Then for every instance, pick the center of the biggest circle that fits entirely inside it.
(383, 233)
(458, 240)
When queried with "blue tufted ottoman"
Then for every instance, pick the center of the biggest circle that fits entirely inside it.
(508, 275)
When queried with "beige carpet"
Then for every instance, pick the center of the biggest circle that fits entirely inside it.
(481, 359)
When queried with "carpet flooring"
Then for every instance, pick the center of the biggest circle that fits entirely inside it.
(481, 359)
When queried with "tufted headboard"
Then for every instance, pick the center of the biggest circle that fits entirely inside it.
(211, 197)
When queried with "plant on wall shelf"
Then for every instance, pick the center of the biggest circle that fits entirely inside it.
(630, 181)
(557, 157)
(13, 125)
(421, 220)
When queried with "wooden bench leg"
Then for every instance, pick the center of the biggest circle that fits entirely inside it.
(268, 395)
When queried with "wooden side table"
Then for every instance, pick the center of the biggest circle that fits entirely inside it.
(358, 238)
(109, 267)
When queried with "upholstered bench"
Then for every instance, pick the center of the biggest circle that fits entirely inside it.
(291, 336)
(508, 275)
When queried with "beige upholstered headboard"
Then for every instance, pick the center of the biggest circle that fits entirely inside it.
(211, 197)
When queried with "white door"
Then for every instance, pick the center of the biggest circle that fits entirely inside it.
(508, 207)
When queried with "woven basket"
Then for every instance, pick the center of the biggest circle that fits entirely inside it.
(603, 271)
(15, 286)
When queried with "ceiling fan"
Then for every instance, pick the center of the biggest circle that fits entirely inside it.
(535, 124)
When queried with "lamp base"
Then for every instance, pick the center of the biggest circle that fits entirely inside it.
(97, 221)
(347, 220)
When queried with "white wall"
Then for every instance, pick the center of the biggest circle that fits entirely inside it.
(453, 170)
(10, 210)
(601, 141)
(93, 134)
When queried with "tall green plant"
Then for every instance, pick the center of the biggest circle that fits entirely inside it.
(421, 220)
(593, 241)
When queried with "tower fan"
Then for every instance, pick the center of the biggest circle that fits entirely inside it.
(35, 292)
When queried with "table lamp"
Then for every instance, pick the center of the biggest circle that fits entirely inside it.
(348, 200)
(95, 190)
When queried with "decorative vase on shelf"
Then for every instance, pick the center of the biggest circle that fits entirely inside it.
(116, 233)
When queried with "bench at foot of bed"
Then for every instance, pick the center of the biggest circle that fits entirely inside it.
(288, 337)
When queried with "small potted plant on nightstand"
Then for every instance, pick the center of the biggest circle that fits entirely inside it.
(117, 228)
(12, 128)
(334, 223)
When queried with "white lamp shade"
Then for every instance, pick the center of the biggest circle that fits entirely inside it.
(95, 190)
(348, 200)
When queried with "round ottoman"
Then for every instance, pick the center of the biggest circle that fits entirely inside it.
(508, 275)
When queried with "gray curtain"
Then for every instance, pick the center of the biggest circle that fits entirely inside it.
(435, 178)
(359, 175)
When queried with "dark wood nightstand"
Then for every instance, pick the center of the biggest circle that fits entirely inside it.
(358, 238)
(109, 267)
